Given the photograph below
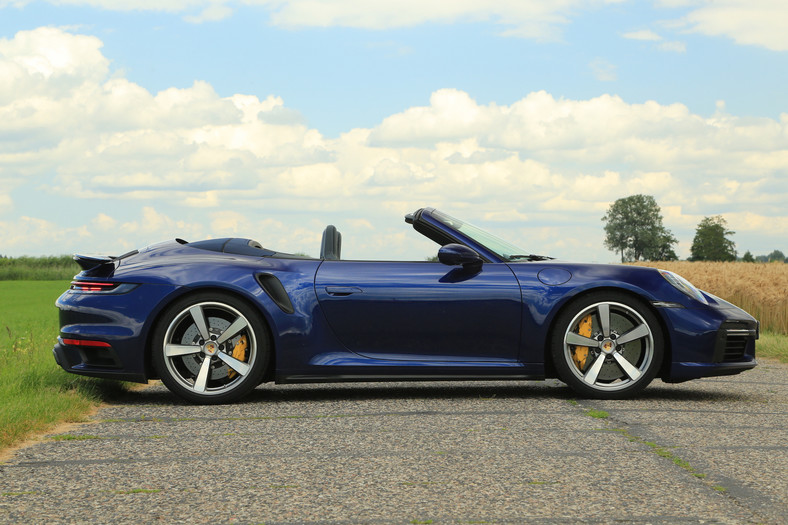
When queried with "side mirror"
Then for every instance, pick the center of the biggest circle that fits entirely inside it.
(460, 255)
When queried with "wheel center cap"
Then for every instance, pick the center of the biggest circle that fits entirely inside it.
(607, 346)
(210, 348)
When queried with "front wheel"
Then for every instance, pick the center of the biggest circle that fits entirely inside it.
(607, 345)
(211, 348)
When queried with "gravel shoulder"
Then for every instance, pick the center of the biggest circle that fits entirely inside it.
(707, 451)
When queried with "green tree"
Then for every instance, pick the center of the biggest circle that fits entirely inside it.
(748, 257)
(776, 256)
(711, 242)
(633, 227)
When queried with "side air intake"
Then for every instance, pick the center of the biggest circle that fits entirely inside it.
(273, 287)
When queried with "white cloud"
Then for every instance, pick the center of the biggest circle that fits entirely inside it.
(120, 167)
(48, 62)
(172, 6)
(749, 22)
(603, 70)
(517, 18)
(648, 35)
(212, 13)
(6, 204)
(104, 222)
(34, 236)
(644, 34)
(673, 46)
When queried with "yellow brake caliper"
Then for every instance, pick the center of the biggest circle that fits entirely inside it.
(580, 353)
(239, 352)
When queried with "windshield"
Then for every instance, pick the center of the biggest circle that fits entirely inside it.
(505, 250)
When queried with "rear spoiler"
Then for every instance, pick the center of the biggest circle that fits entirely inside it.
(90, 262)
(87, 262)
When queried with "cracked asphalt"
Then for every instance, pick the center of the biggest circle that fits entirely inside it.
(707, 451)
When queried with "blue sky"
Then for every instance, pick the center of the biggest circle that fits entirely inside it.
(126, 123)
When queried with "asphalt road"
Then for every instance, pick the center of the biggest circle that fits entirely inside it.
(709, 451)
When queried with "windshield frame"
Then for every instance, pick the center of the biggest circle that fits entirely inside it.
(503, 250)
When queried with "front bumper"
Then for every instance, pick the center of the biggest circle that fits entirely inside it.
(725, 347)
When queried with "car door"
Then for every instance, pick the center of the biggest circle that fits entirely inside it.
(421, 310)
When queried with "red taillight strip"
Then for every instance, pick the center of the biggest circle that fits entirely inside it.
(85, 342)
(92, 286)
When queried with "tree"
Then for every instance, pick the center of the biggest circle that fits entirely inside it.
(711, 241)
(748, 257)
(776, 256)
(634, 228)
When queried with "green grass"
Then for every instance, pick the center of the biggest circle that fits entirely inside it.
(37, 268)
(137, 491)
(774, 345)
(75, 437)
(35, 393)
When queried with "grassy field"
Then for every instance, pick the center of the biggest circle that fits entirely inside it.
(37, 268)
(35, 393)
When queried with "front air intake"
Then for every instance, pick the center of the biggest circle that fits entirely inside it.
(734, 341)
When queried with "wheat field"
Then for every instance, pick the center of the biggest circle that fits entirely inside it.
(759, 288)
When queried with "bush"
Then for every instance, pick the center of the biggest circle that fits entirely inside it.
(51, 268)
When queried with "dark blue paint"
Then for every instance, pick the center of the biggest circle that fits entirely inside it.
(420, 311)
(554, 276)
(383, 320)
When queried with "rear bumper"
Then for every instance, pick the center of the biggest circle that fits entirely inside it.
(101, 363)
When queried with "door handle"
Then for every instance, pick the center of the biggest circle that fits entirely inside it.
(342, 291)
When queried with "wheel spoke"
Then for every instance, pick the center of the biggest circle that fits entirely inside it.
(636, 333)
(202, 378)
(604, 318)
(593, 372)
(579, 340)
(239, 366)
(171, 350)
(238, 325)
(199, 321)
(628, 368)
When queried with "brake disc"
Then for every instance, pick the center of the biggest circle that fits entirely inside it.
(193, 362)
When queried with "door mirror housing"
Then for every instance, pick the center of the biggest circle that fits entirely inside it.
(460, 255)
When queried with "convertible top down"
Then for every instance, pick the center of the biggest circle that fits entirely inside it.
(213, 319)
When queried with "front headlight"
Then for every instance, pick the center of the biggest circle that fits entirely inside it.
(683, 285)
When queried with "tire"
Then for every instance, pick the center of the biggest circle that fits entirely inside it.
(211, 348)
(607, 345)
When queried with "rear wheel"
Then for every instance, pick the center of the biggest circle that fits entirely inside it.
(607, 345)
(211, 348)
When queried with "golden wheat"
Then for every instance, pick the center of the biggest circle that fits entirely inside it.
(759, 288)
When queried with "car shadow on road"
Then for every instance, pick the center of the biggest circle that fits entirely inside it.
(531, 390)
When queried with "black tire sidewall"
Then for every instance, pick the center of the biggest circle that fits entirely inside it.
(566, 316)
(247, 383)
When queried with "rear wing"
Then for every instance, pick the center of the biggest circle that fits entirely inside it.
(100, 264)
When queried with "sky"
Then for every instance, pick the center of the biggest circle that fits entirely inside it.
(127, 123)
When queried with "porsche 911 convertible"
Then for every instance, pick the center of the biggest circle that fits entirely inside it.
(214, 319)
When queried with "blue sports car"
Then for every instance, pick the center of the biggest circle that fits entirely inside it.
(213, 319)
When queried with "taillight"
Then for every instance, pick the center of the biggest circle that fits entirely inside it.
(101, 287)
(85, 342)
(93, 286)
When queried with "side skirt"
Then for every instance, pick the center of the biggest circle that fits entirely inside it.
(367, 378)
